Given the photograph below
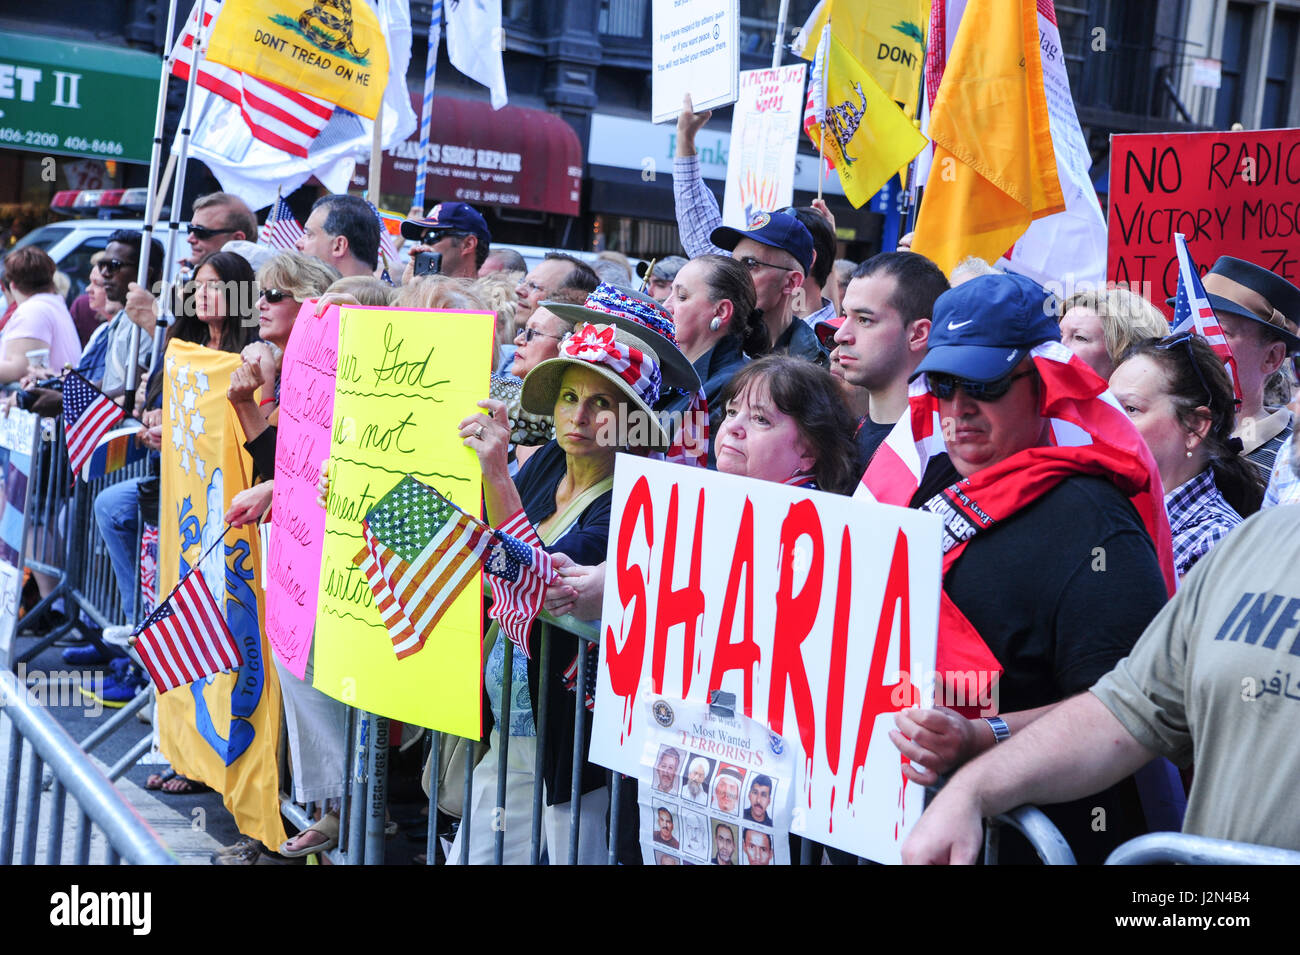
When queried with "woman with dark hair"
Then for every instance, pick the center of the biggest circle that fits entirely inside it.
(717, 327)
(1179, 396)
(41, 322)
(219, 312)
(786, 422)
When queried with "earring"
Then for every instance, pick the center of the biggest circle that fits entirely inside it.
(1189, 452)
(715, 324)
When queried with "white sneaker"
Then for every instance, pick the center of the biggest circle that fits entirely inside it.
(118, 636)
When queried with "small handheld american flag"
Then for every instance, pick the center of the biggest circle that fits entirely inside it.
(521, 571)
(88, 415)
(1193, 312)
(186, 638)
(281, 230)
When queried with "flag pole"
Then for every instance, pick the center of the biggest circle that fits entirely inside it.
(164, 305)
(150, 198)
(426, 107)
(193, 567)
(778, 42)
(913, 198)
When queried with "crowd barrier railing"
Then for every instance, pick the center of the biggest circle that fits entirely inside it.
(35, 734)
(1177, 848)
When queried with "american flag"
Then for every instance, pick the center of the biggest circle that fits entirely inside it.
(421, 551)
(148, 567)
(814, 110)
(1193, 312)
(186, 638)
(281, 230)
(275, 114)
(88, 415)
(520, 570)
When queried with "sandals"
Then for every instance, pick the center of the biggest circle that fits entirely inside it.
(188, 787)
(327, 826)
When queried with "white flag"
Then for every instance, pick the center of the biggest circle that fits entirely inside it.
(256, 171)
(475, 41)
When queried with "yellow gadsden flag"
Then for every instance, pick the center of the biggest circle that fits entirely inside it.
(994, 170)
(865, 135)
(225, 730)
(886, 36)
(334, 49)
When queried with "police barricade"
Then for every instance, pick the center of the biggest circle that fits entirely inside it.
(33, 732)
(1176, 848)
(364, 804)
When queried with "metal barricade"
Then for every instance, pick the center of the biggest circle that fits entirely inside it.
(364, 803)
(33, 732)
(1176, 848)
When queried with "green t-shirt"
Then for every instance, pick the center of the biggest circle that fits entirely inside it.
(1215, 681)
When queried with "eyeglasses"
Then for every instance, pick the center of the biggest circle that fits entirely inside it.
(275, 296)
(203, 234)
(754, 265)
(533, 287)
(109, 266)
(437, 235)
(531, 333)
(1185, 339)
(944, 386)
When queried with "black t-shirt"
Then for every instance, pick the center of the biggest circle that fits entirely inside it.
(1060, 592)
(868, 437)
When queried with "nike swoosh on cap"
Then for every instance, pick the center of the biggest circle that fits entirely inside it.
(956, 325)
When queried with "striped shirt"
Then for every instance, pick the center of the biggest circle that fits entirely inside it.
(1284, 482)
(697, 208)
(1199, 518)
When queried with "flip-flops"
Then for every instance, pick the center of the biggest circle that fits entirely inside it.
(327, 826)
(192, 787)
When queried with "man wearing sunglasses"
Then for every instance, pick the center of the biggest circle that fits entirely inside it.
(216, 219)
(455, 230)
(119, 268)
(1050, 505)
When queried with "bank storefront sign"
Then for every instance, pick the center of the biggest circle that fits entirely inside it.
(76, 99)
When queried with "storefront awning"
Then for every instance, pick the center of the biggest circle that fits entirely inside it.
(512, 158)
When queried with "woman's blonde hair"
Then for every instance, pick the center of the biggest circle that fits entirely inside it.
(443, 291)
(366, 289)
(1126, 317)
(301, 276)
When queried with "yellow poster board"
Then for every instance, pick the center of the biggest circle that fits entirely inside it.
(406, 378)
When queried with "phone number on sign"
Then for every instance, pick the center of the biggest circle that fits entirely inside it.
(474, 195)
(32, 137)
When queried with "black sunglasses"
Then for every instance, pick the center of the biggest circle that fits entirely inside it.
(109, 266)
(200, 232)
(944, 386)
(275, 296)
(1185, 339)
(435, 235)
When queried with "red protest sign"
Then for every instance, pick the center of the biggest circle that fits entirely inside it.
(1228, 193)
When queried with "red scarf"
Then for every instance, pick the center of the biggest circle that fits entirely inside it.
(1090, 435)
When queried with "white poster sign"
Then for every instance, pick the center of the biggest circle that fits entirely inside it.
(694, 49)
(764, 136)
(818, 612)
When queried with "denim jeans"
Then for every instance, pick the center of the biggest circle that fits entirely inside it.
(116, 513)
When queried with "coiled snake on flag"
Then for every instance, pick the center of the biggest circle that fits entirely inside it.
(342, 25)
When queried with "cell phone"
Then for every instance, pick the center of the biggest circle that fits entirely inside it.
(428, 263)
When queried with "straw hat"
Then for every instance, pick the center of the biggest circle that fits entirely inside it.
(639, 383)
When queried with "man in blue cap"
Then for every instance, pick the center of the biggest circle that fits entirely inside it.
(777, 249)
(1039, 479)
(457, 231)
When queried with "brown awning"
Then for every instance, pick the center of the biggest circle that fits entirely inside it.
(515, 157)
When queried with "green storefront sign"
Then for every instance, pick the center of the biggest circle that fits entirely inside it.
(76, 99)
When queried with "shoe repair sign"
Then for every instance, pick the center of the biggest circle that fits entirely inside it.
(818, 612)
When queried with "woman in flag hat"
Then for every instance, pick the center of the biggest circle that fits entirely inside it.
(1179, 396)
(601, 390)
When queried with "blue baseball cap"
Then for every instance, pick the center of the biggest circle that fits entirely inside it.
(780, 230)
(450, 216)
(985, 327)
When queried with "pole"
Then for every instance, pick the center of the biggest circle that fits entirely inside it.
(913, 197)
(426, 108)
(376, 158)
(150, 198)
(778, 44)
(163, 186)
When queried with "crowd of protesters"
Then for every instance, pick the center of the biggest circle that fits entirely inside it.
(1076, 425)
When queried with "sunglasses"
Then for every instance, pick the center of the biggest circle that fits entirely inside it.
(437, 235)
(275, 296)
(109, 266)
(944, 386)
(531, 333)
(201, 233)
(1185, 339)
(754, 265)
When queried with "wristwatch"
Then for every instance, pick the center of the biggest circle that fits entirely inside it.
(1001, 731)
